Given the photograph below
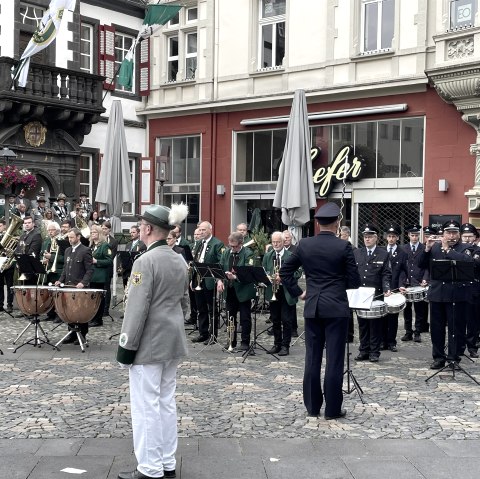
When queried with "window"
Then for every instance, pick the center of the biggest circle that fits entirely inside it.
(129, 208)
(30, 17)
(378, 23)
(462, 13)
(272, 33)
(172, 59)
(86, 47)
(192, 14)
(85, 175)
(123, 43)
(191, 56)
(31, 14)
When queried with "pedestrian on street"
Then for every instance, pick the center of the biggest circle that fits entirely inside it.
(152, 343)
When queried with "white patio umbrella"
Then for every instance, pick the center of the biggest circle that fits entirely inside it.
(295, 193)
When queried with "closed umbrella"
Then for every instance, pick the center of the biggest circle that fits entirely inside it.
(115, 183)
(295, 193)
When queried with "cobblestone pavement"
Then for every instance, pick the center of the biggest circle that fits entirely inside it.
(67, 394)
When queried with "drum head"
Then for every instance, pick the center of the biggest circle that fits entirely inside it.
(396, 299)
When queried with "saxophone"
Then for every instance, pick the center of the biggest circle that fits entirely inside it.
(9, 242)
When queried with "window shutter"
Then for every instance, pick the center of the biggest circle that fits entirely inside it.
(106, 55)
(147, 183)
(144, 89)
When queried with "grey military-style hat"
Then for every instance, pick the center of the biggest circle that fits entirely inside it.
(157, 215)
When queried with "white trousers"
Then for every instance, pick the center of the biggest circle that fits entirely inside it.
(154, 416)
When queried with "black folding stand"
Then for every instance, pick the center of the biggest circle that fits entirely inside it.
(352, 383)
(258, 276)
(29, 265)
(450, 271)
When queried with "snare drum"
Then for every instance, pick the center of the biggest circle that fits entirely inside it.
(395, 303)
(377, 310)
(415, 294)
(77, 305)
(33, 299)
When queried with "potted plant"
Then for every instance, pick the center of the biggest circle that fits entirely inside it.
(262, 239)
(11, 176)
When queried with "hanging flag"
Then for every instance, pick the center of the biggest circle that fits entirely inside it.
(156, 16)
(45, 34)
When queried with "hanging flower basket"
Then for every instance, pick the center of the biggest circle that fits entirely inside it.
(10, 175)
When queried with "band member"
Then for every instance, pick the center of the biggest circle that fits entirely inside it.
(102, 260)
(238, 295)
(65, 227)
(12, 207)
(77, 271)
(6, 278)
(398, 264)
(448, 300)
(60, 209)
(21, 200)
(374, 269)
(192, 320)
(208, 250)
(113, 244)
(85, 205)
(41, 206)
(282, 308)
(22, 210)
(330, 269)
(29, 243)
(153, 342)
(469, 235)
(182, 242)
(134, 247)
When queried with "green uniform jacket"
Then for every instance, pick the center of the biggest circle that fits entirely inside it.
(245, 291)
(101, 269)
(268, 265)
(215, 248)
(52, 277)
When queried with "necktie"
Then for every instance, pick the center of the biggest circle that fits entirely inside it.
(413, 248)
(200, 251)
(369, 253)
(278, 260)
(391, 249)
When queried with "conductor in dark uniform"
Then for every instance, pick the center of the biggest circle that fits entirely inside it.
(448, 300)
(374, 268)
(330, 270)
(77, 271)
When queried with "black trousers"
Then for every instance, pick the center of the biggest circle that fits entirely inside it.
(473, 325)
(204, 301)
(448, 317)
(245, 308)
(281, 314)
(332, 333)
(370, 332)
(193, 306)
(99, 313)
(6, 279)
(421, 316)
(389, 329)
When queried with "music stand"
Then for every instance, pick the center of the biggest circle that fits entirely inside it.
(258, 276)
(30, 265)
(451, 271)
(214, 271)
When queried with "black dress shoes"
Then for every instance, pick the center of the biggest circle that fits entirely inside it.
(473, 353)
(95, 324)
(407, 337)
(393, 348)
(362, 357)
(373, 359)
(169, 473)
(199, 339)
(417, 338)
(274, 350)
(135, 475)
(243, 347)
(341, 414)
(283, 351)
(437, 364)
(294, 333)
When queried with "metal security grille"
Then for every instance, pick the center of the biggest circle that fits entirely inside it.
(382, 215)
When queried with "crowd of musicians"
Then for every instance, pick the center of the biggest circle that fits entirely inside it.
(453, 306)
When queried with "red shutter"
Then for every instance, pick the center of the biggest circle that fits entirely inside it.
(144, 89)
(106, 55)
(147, 183)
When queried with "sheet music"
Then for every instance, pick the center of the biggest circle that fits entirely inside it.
(360, 298)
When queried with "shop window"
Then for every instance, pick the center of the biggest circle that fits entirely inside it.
(378, 25)
(271, 33)
(86, 47)
(462, 13)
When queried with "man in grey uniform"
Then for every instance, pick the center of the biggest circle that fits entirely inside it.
(152, 343)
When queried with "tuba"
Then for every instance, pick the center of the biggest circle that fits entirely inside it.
(82, 225)
(9, 241)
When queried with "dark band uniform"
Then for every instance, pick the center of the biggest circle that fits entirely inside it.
(448, 301)
(30, 243)
(375, 273)
(101, 275)
(239, 295)
(134, 248)
(330, 270)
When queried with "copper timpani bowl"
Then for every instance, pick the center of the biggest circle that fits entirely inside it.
(77, 305)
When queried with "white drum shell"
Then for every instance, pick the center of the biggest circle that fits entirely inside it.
(415, 294)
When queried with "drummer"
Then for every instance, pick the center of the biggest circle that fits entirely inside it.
(398, 264)
(416, 277)
(374, 268)
(77, 271)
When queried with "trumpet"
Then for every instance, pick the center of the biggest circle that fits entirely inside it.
(273, 279)
(231, 332)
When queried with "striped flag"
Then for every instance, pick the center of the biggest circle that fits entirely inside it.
(43, 36)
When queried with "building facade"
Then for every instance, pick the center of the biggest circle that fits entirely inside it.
(385, 81)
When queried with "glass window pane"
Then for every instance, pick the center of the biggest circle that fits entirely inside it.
(175, 20)
(193, 160)
(412, 147)
(192, 43)
(342, 135)
(366, 146)
(244, 157)
(173, 46)
(388, 154)
(270, 8)
(178, 161)
(262, 156)
(267, 46)
(172, 70)
(280, 47)
(388, 23)
(85, 32)
(190, 68)
(279, 138)
(192, 14)
(371, 26)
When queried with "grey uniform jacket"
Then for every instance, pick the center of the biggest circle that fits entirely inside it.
(153, 329)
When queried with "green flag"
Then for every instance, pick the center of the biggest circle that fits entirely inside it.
(156, 16)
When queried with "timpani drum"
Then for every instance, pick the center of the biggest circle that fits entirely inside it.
(396, 303)
(77, 305)
(377, 310)
(415, 294)
(33, 300)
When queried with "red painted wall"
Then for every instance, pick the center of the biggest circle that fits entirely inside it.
(447, 143)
